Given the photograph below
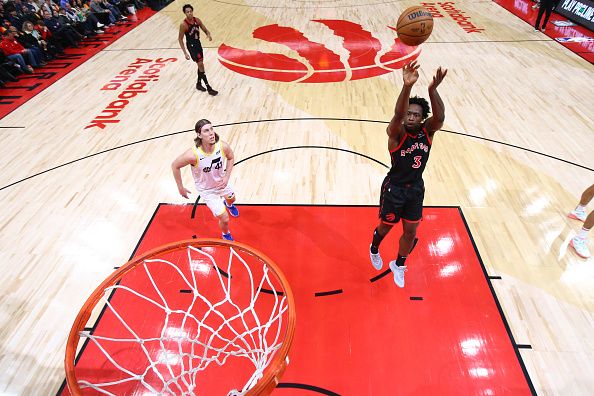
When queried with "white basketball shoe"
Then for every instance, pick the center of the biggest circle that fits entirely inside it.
(577, 214)
(398, 273)
(376, 259)
(580, 246)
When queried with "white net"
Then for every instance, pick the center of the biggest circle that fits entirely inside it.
(201, 321)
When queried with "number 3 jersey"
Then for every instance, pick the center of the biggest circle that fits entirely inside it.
(209, 169)
(409, 158)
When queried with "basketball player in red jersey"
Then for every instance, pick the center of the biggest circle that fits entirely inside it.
(410, 134)
(190, 28)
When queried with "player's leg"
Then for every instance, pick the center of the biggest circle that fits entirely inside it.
(411, 215)
(224, 225)
(201, 72)
(406, 243)
(579, 213)
(587, 195)
(580, 241)
(216, 206)
(201, 75)
(389, 214)
(379, 234)
(196, 55)
(229, 196)
(199, 85)
(408, 239)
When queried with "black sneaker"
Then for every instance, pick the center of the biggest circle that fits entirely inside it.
(199, 87)
(212, 91)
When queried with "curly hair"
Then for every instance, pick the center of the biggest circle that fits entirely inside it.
(421, 102)
(198, 127)
(187, 6)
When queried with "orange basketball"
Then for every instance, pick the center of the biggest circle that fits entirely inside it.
(414, 25)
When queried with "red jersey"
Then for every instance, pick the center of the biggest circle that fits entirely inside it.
(193, 31)
(409, 158)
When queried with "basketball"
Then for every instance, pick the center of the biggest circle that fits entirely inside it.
(414, 25)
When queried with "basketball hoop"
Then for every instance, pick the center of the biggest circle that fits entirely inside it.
(201, 316)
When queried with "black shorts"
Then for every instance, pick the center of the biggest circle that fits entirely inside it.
(195, 49)
(401, 202)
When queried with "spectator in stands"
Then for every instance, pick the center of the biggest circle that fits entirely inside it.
(113, 10)
(15, 52)
(50, 6)
(75, 25)
(84, 13)
(104, 15)
(8, 70)
(139, 4)
(32, 6)
(15, 17)
(29, 13)
(121, 6)
(30, 42)
(13, 49)
(61, 32)
(84, 25)
(54, 47)
(30, 37)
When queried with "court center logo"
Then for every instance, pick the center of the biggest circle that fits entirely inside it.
(363, 53)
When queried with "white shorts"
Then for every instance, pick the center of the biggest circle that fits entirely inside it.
(214, 199)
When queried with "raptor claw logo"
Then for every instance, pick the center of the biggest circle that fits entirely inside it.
(324, 65)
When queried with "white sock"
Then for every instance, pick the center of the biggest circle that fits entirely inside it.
(580, 208)
(583, 233)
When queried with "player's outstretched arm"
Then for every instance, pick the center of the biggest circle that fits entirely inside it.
(435, 122)
(410, 74)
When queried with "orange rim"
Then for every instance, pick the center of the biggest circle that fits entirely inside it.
(272, 373)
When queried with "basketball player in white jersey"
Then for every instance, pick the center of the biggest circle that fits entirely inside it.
(211, 176)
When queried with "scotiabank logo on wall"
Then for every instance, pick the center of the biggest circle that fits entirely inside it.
(366, 58)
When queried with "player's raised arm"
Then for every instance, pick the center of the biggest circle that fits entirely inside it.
(410, 74)
(435, 122)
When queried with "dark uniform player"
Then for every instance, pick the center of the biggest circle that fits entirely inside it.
(190, 28)
(410, 134)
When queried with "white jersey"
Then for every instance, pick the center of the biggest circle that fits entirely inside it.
(209, 169)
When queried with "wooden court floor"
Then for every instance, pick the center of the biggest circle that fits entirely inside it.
(515, 153)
